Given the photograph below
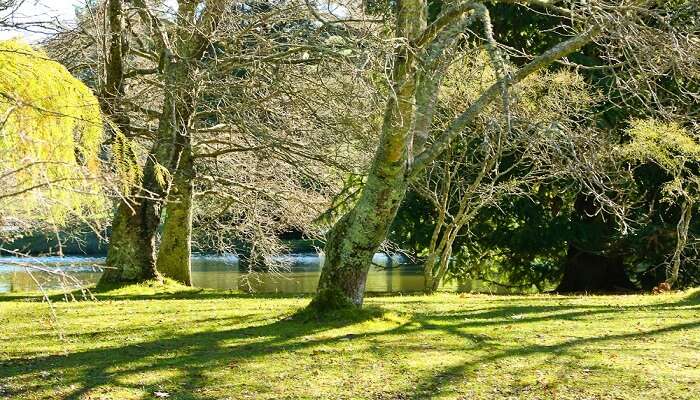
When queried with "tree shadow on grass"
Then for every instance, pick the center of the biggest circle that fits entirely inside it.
(433, 383)
(192, 355)
(122, 292)
(453, 323)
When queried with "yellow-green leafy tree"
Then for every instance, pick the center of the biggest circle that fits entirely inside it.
(50, 135)
(676, 150)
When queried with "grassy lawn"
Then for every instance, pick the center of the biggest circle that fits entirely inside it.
(136, 341)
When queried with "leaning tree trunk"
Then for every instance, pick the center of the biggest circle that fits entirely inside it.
(438, 232)
(175, 252)
(444, 257)
(352, 242)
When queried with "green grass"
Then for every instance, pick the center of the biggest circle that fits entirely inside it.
(203, 344)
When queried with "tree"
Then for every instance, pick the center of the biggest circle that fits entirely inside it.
(676, 151)
(404, 150)
(132, 252)
(239, 86)
(50, 135)
(537, 142)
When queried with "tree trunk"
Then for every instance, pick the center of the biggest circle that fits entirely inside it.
(175, 252)
(681, 241)
(445, 256)
(354, 239)
(429, 264)
(130, 257)
(432, 269)
(428, 276)
(590, 266)
(352, 242)
(590, 272)
(113, 90)
(132, 253)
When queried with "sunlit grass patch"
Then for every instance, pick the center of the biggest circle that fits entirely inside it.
(136, 341)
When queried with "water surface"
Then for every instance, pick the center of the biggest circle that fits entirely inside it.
(299, 275)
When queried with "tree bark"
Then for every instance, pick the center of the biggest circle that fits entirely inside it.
(352, 242)
(175, 252)
(113, 89)
(428, 274)
(130, 253)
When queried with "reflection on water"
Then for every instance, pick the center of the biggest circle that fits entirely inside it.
(220, 272)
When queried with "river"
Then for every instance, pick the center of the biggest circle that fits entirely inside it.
(300, 274)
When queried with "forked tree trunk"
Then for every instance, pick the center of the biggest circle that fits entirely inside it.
(435, 240)
(131, 256)
(355, 238)
(132, 252)
(175, 252)
(438, 262)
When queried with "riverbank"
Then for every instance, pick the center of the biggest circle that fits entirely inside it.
(142, 342)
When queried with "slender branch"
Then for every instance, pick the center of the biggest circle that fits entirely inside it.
(461, 122)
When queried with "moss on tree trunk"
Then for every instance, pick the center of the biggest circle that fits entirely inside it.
(355, 238)
(175, 252)
(131, 255)
(352, 243)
